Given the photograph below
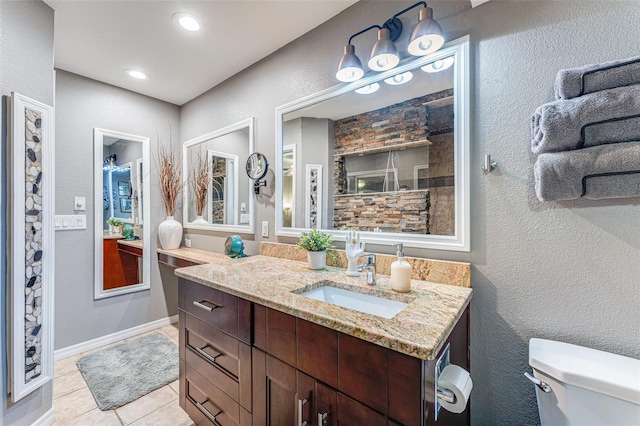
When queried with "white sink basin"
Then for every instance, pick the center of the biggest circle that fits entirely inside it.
(366, 303)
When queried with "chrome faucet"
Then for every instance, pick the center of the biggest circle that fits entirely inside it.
(369, 268)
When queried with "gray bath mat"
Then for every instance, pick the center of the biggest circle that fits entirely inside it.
(125, 372)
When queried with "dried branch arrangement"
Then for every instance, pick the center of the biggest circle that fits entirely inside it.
(200, 182)
(170, 172)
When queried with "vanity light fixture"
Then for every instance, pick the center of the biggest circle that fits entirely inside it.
(398, 79)
(425, 38)
(368, 89)
(439, 65)
(187, 21)
(137, 74)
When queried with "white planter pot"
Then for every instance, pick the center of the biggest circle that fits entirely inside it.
(170, 233)
(316, 259)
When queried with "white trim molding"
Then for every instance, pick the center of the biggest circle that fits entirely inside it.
(31, 247)
(112, 338)
(46, 419)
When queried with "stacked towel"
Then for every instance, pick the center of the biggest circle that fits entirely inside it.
(608, 75)
(605, 171)
(589, 139)
(557, 126)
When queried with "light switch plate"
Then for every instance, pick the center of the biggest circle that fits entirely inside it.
(70, 222)
(79, 203)
(244, 218)
(265, 228)
(243, 207)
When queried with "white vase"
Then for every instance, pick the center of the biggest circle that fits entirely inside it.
(316, 259)
(170, 233)
(200, 221)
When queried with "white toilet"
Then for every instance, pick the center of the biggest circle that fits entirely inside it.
(582, 386)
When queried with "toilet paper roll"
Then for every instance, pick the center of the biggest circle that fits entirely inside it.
(457, 380)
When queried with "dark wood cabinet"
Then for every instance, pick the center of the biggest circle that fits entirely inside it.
(243, 363)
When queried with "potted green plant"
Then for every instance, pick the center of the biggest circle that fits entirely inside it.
(115, 225)
(316, 244)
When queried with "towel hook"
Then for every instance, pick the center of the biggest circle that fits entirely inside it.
(488, 164)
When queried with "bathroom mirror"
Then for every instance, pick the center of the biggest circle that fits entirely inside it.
(121, 191)
(387, 156)
(217, 193)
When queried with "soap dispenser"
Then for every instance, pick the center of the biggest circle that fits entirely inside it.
(400, 273)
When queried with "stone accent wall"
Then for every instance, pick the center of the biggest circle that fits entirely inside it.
(410, 121)
(404, 122)
(218, 173)
(403, 211)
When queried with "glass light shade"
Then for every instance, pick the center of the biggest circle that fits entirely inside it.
(426, 37)
(439, 65)
(398, 79)
(349, 67)
(384, 54)
(368, 89)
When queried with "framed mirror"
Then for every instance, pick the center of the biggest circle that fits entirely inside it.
(217, 193)
(121, 194)
(387, 156)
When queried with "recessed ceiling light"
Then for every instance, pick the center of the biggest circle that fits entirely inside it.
(137, 74)
(187, 21)
(366, 90)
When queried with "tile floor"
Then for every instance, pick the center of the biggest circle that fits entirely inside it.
(74, 404)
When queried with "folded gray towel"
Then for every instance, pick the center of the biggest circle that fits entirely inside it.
(607, 75)
(605, 171)
(558, 125)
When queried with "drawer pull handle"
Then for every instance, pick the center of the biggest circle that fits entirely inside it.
(322, 418)
(203, 306)
(207, 413)
(209, 357)
(301, 403)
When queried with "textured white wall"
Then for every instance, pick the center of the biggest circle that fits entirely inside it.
(81, 105)
(567, 271)
(26, 67)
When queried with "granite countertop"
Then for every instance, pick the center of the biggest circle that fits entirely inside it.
(194, 255)
(419, 330)
(108, 235)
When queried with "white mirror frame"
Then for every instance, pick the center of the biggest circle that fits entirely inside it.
(99, 292)
(243, 229)
(459, 49)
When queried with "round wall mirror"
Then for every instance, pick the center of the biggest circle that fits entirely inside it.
(257, 166)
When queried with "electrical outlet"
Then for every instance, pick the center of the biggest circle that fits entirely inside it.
(187, 242)
(265, 228)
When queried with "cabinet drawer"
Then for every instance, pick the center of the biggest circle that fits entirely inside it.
(210, 305)
(220, 358)
(352, 413)
(207, 404)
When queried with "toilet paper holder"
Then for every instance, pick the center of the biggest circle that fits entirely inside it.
(445, 394)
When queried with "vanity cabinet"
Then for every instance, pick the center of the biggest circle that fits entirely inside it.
(245, 363)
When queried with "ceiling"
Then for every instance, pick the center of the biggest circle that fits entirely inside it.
(100, 39)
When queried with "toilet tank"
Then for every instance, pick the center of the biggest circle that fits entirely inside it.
(588, 387)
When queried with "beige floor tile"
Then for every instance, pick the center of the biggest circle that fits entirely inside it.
(68, 383)
(168, 415)
(175, 386)
(146, 405)
(95, 417)
(73, 405)
(171, 331)
(65, 366)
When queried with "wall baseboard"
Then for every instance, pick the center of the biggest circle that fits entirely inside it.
(46, 419)
(111, 338)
